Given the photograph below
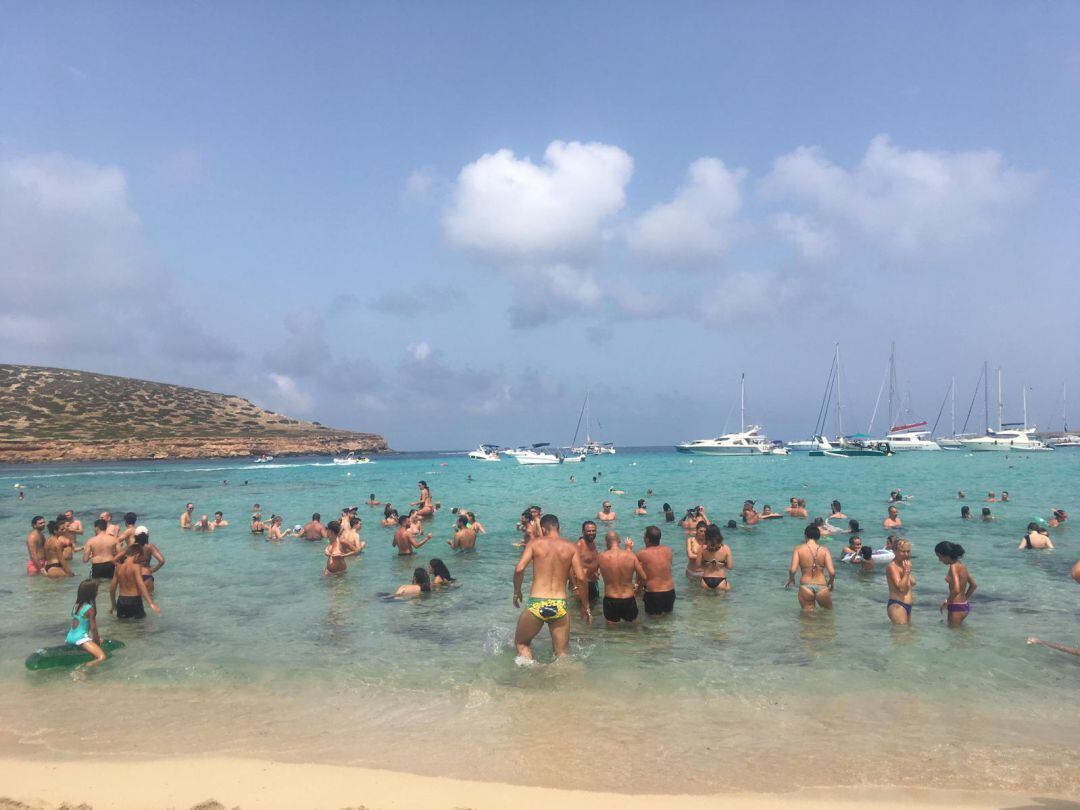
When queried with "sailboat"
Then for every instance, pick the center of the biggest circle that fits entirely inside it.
(749, 441)
(1009, 436)
(901, 437)
(844, 446)
(590, 447)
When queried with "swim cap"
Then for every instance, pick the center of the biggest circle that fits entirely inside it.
(142, 530)
(297, 528)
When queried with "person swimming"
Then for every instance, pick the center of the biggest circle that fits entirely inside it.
(421, 583)
(440, 574)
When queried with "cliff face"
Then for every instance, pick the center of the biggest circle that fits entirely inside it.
(62, 415)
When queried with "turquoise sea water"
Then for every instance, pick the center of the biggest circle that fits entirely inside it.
(257, 654)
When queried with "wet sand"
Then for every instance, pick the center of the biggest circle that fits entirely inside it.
(208, 784)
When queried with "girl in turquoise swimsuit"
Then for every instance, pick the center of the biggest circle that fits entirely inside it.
(83, 632)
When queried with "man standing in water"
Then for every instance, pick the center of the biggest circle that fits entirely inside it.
(100, 550)
(124, 538)
(464, 535)
(403, 539)
(589, 555)
(314, 530)
(815, 562)
(655, 560)
(554, 560)
(618, 567)
(185, 519)
(606, 513)
(35, 546)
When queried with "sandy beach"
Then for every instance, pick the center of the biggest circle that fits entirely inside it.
(245, 783)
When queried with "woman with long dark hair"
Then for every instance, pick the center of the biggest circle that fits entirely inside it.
(961, 583)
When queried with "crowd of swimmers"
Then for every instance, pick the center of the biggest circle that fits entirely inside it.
(125, 557)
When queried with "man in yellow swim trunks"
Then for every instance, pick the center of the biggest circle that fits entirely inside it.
(554, 561)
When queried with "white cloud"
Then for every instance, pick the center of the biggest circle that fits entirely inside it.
(508, 209)
(910, 201)
(815, 242)
(698, 225)
(285, 396)
(419, 351)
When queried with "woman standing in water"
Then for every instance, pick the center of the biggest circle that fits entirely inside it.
(56, 561)
(715, 560)
(337, 550)
(901, 584)
(960, 582)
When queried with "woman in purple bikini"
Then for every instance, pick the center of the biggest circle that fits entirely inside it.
(960, 582)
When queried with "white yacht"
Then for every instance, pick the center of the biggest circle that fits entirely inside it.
(1069, 440)
(801, 446)
(590, 447)
(906, 437)
(485, 452)
(749, 441)
(1010, 438)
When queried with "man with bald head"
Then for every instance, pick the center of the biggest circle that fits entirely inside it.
(619, 566)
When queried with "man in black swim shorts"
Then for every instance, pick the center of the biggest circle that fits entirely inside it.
(659, 585)
(619, 567)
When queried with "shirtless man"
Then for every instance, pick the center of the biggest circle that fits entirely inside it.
(203, 524)
(403, 539)
(797, 508)
(991, 498)
(124, 538)
(750, 515)
(219, 521)
(127, 591)
(641, 510)
(606, 513)
(815, 562)
(655, 560)
(619, 567)
(464, 535)
(371, 500)
(113, 529)
(74, 527)
(185, 518)
(314, 530)
(100, 551)
(892, 521)
(589, 555)
(554, 560)
(35, 546)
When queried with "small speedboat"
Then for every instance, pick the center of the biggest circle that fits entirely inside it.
(352, 458)
(263, 459)
(486, 452)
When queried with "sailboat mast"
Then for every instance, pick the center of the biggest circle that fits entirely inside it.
(892, 382)
(588, 418)
(1024, 397)
(742, 403)
(839, 413)
(952, 404)
(1064, 415)
(1001, 407)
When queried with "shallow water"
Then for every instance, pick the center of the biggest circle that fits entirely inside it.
(256, 653)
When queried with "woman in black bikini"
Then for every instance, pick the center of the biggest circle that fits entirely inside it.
(56, 562)
(715, 561)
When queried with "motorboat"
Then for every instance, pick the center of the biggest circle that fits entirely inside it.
(352, 458)
(263, 459)
(1012, 438)
(849, 447)
(800, 446)
(750, 440)
(485, 452)
(907, 437)
(538, 454)
(1069, 440)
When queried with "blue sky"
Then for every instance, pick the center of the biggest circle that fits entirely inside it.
(443, 221)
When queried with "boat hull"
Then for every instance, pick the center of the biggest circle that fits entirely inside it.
(720, 451)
